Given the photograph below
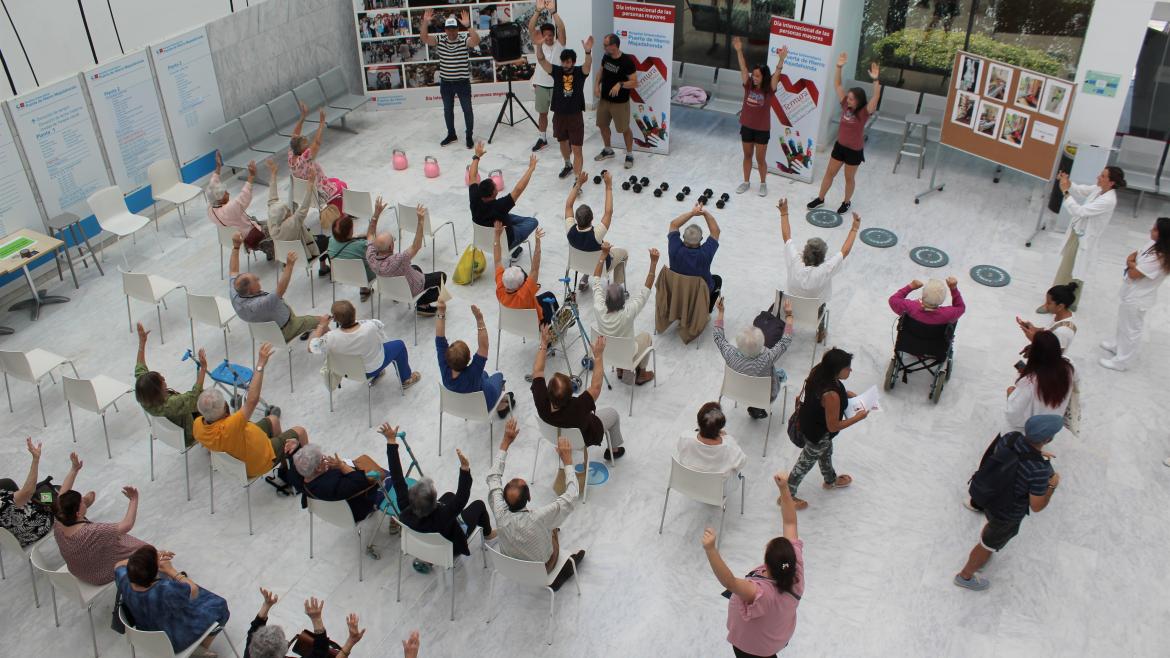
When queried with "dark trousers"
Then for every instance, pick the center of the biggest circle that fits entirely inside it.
(431, 280)
(473, 516)
(449, 90)
(717, 288)
(740, 653)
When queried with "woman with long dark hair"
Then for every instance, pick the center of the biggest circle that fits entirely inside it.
(1145, 269)
(755, 117)
(1043, 386)
(761, 608)
(1057, 301)
(849, 151)
(821, 417)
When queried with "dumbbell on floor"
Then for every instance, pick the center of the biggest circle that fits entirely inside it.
(626, 185)
(637, 188)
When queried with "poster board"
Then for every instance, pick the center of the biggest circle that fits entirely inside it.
(190, 94)
(399, 71)
(647, 34)
(1006, 114)
(801, 97)
(18, 205)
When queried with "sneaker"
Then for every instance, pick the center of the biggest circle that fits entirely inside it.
(815, 203)
(604, 155)
(973, 583)
(470, 142)
(421, 567)
(1109, 346)
(1112, 365)
(272, 410)
(799, 503)
(412, 380)
(517, 252)
(449, 139)
(844, 207)
(757, 413)
(841, 482)
(644, 377)
(583, 284)
(743, 187)
(540, 145)
(617, 454)
(629, 162)
(565, 171)
(425, 311)
(506, 405)
(373, 381)
(763, 189)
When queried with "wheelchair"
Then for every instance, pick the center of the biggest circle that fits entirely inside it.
(920, 347)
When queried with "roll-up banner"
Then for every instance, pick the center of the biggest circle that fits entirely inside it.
(804, 92)
(647, 34)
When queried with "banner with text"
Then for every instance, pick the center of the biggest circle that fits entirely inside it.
(190, 95)
(802, 96)
(647, 34)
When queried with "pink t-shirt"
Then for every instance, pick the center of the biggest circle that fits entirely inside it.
(756, 108)
(850, 134)
(305, 164)
(765, 626)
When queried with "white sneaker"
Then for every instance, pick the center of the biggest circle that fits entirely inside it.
(763, 189)
(1109, 346)
(743, 187)
(1112, 365)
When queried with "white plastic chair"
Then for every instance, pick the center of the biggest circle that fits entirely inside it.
(583, 262)
(9, 542)
(529, 574)
(358, 204)
(806, 312)
(623, 353)
(397, 288)
(31, 367)
(754, 392)
(96, 395)
(83, 594)
(211, 310)
(269, 332)
(352, 272)
(109, 208)
(237, 471)
(156, 644)
(335, 513)
(709, 488)
(351, 366)
(522, 322)
(576, 439)
(484, 238)
(407, 217)
(149, 288)
(173, 436)
(434, 548)
(165, 185)
(224, 235)
(468, 406)
(282, 247)
(299, 188)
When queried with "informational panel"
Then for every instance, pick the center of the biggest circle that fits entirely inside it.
(18, 206)
(802, 96)
(61, 145)
(400, 71)
(647, 34)
(1006, 114)
(129, 118)
(190, 92)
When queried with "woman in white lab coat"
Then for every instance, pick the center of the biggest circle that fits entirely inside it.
(1091, 208)
(1145, 269)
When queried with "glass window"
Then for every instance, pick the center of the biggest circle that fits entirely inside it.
(1151, 86)
(703, 33)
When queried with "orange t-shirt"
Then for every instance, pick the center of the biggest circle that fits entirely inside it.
(239, 438)
(523, 297)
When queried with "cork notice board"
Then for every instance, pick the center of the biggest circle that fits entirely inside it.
(1006, 114)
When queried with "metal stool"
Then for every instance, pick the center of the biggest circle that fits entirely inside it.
(72, 223)
(914, 149)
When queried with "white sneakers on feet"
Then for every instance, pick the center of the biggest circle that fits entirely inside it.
(743, 187)
(1112, 365)
(1109, 346)
(763, 189)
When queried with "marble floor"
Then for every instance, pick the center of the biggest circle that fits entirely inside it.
(880, 555)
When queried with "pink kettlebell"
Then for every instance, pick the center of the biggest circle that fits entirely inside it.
(497, 177)
(467, 176)
(399, 159)
(431, 167)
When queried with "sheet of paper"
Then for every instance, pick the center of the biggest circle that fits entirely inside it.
(868, 400)
(1044, 132)
(444, 296)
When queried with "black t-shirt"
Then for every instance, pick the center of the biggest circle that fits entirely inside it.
(487, 213)
(578, 413)
(812, 413)
(568, 90)
(614, 71)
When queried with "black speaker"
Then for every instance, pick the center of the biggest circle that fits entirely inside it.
(507, 44)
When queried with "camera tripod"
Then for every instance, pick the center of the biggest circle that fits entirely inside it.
(509, 99)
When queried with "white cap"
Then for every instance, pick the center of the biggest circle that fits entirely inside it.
(451, 22)
(513, 278)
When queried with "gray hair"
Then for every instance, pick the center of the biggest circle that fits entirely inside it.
(583, 215)
(422, 497)
(268, 642)
(615, 298)
(750, 341)
(211, 405)
(308, 459)
(814, 252)
(215, 192)
(692, 235)
(934, 293)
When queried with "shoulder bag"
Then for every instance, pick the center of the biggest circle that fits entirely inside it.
(794, 434)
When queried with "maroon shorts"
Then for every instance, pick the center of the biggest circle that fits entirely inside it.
(570, 128)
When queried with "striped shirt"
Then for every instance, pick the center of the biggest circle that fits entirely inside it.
(762, 365)
(527, 534)
(454, 60)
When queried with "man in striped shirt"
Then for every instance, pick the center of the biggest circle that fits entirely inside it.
(454, 69)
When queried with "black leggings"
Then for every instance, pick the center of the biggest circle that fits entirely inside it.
(476, 515)
(717, 288)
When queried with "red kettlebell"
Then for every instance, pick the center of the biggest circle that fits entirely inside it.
(399, 159)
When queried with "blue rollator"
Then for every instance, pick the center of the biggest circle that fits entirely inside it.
(567, 317)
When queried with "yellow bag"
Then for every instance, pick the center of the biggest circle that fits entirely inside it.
(471, 265)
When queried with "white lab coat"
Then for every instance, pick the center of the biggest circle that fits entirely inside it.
(1091, 211)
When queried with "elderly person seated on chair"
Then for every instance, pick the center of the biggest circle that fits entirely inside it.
(302, 159)
(616, 314)
(556, 405)
(586, 235)
(91, 549)
(381, 258)
(159, 597)
(711, 449)
(421, 509)
(342, 245)
(928, 308)
(464, 373)
(262, 445)
(533, 534)
(690, 255)
(364, 338)
(223, 210)
(750, 356)
(24, 512)
(286, 224)
(268, 641)
(330, 478)
(253, 304)
(515, 288)
(810, 272)
(159, 400)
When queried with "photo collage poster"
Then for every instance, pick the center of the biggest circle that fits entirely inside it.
(399, 70)
(1008, 104)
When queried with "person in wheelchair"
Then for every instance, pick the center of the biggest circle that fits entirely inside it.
(925, 339)
(928, 308)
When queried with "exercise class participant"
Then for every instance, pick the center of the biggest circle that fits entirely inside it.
(454, 69)
(1091, 208)
(568, 102)
(618, 76)
(550, 43)
(1145, 269)
(755, 118)
(849, 149)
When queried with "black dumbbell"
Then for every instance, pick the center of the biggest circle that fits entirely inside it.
(686, 191)
(720, 203)
(633, 179)
(725, 197)
(645, 181)
(708, 193)
(664, 186)
(597, 180)
(626, 185)
(679, 197)
(638, 188)
(658, 191)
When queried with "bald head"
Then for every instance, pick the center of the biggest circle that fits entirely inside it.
(384, 244)
(247, 284)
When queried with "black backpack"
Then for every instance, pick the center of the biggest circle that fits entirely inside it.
(992, 486)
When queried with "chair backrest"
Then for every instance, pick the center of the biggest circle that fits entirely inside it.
(582, 261)
(282, 247)
(155, 644)
(729, 84)
(484, 238)
(225, 234)
(523, 572)
(358, 204)
(698, 75)
(234, 468)
(346, 365)
(229, 138)
(428, 547)
(309, 93)
(257, 124)
(551, 433)
(300, 187)
(167, 432)
(137, 285)
(700, 486)
(897, 103)
(81, 393)
(9, 542)
(284, 109)
(17, 365)
(333, 83)
(266, 332)
(520, 321)
(204, 309)
(396, 288)
(408, 219)
(350, 271)
(162, 175)
(748, 389)
(107, 203)
(1140, 155)
(464, 405)
(333, 512)
(62, 581)
(619, 352)
(923, 339)
(805, 310)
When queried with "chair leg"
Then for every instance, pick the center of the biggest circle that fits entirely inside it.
(398, 595)
(4, 576)
(191, 323)
(452, 570)
(226, 354)
(210, 482)
(535, 460)
(742, 491)
(722, 513)
(310, 535)
(585, 469)
(370, 405)
(53, 594)
(32, 578)
(768, 432)
(498, 330)
(41, 402)
(161, 338)
(106, 433)
(187, 475)
(290, 373)
(552, 602)
(7, 392)
(359, 553)
(129, 318)
(248, 495)
(664, 502)
(69, 406)
(440, 432)
(92, 631)
(491, 591)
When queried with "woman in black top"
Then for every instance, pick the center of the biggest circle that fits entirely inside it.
(821, 417)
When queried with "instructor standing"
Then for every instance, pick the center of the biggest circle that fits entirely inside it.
(454, 69)
(618, 76)
(550, 42)
(1145, 269)
(1091, 208)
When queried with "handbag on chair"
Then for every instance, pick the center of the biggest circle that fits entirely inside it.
(302, 644)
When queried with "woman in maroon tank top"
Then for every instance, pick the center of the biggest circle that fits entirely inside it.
(755, 118)
(849, 149)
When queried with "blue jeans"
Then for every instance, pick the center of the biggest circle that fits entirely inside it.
(394, 350)
(522, 227)
(548, 305)
(449, 90)
(493, 386)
